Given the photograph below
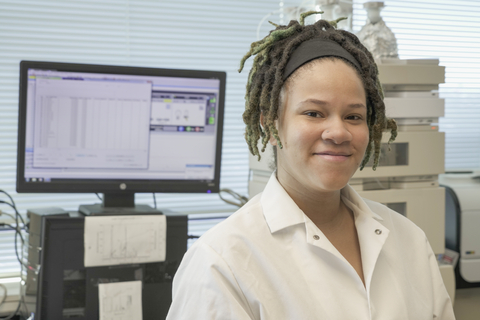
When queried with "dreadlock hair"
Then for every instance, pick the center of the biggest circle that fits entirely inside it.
(265, 82)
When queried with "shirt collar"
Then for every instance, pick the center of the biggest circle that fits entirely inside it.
(281, 211)
(356, 203)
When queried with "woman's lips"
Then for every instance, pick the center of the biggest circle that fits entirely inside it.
(333, 156)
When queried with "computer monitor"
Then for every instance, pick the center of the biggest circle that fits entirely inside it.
(118, 130)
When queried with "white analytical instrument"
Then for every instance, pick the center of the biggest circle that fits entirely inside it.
(463, 222)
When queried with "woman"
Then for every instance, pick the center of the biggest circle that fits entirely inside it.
(309, 247)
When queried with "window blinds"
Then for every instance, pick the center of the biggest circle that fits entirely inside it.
(185, 34)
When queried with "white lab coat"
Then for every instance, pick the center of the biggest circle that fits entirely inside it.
(270, 261)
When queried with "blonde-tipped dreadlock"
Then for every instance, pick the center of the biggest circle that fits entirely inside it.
(265, 82)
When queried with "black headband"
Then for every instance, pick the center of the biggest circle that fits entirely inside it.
(316, 48)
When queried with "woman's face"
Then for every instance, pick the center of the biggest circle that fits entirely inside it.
(323, 127)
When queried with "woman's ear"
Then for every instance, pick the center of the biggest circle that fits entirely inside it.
(272, 140)
(262, 121)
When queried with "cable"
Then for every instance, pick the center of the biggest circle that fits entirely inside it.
(22, 300)
(15, 243)
(241, 199)
(11, 216)
(11, 199)
(2, 224)
(14, 206)
(13, 228)
(8, 214)
(154, 200)
(98, 196)
(19, 303)
(4, 295)
(17, 229)
(14, 312)
(15, 209)
(3, 300)
(22, 264)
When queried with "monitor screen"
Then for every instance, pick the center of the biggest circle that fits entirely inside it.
(111, 129)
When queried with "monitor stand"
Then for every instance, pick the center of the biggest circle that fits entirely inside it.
(115, 204)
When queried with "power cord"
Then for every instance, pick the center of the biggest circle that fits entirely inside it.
(14, 313)
(18, 233)
(17, 215)
(241, 200)
(4, 294)
(17, 229)
(15, 242)
(5, 298)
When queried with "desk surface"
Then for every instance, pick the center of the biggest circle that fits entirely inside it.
(467, 304)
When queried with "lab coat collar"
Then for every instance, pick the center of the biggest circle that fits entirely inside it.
(281, 211)
(356, 203)
(372, 234)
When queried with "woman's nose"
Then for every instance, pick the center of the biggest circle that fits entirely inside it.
(336, 132)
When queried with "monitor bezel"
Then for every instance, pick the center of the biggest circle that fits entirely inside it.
(118, 186)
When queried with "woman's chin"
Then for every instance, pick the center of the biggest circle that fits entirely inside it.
(330, 184)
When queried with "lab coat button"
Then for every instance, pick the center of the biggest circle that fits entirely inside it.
(316, 237)
(378, 231)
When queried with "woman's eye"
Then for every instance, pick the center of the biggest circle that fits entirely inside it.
(313, 114)
(354, 117)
